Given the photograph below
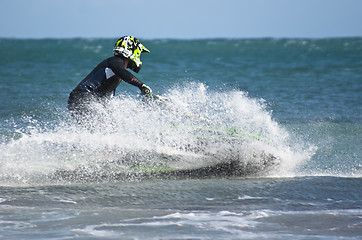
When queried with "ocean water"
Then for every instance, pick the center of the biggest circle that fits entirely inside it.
(290, 169)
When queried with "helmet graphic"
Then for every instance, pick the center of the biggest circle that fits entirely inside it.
(129, 47)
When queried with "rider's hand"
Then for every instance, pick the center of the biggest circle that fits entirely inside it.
(145, 89)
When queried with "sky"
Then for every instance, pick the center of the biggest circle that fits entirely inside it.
(181, 19)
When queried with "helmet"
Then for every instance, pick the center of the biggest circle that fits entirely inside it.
(129, 47)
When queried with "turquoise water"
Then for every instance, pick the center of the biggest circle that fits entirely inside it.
(301, 96)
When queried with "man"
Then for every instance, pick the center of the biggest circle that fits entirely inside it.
(102, 82)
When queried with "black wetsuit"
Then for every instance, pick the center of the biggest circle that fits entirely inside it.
(99, 84)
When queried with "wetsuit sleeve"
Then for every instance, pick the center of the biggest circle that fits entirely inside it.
(117, 66)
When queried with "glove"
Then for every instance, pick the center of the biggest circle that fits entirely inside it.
(145, 89)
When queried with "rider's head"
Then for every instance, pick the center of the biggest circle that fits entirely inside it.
(129, 47)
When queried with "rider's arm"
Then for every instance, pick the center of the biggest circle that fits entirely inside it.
(117, 66)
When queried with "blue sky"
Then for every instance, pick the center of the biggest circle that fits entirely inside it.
(185, 19)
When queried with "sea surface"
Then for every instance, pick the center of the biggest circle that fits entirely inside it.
(287, 112)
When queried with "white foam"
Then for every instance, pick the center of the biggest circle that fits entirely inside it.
(129, 128)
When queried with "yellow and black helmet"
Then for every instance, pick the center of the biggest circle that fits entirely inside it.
(129, 47)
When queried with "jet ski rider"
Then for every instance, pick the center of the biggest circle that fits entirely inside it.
(103, 80)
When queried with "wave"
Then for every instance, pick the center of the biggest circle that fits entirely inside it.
(196, 133)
